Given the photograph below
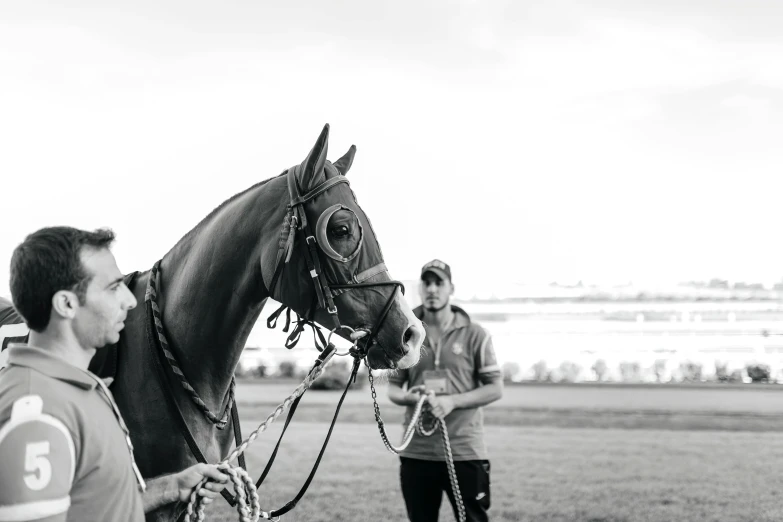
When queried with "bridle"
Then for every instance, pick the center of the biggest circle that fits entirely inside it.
(325, 290)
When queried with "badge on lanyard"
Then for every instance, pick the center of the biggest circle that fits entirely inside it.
(437, 381)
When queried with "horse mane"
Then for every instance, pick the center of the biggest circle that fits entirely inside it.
(220, 207)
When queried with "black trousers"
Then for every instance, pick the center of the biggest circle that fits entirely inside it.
(424, 481)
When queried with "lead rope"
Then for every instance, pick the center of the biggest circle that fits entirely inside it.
(248, 505)
(417, 424)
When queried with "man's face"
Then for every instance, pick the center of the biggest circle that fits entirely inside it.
(100, 318)
(434, 292)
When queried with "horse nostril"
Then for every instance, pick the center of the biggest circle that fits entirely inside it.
(407, 335)
(411, 339)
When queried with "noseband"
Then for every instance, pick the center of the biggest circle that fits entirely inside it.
(325, 291)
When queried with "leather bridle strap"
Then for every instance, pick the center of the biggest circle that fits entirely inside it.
(312, 258)
(294, 501)
(291, 411)
(299, 223)
(367, 342)
(317, 191)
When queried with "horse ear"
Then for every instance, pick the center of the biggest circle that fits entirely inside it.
(344, 164)
(312, 172)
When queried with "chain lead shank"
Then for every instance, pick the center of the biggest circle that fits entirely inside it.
(417, 424)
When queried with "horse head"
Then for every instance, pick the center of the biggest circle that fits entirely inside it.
(329, 267)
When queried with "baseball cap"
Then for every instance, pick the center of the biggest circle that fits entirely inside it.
(437, 267)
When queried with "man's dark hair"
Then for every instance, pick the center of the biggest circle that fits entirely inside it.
(48, 261)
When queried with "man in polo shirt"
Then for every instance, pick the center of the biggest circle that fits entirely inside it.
(65, 452)
(460, 374)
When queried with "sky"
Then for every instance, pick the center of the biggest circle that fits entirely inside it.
(606, 141)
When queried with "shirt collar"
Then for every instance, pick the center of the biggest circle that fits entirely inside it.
(49, 364)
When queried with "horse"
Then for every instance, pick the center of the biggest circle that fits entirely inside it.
(300, 238)
(12, 328)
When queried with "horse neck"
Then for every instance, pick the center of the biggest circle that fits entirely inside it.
(212, 291)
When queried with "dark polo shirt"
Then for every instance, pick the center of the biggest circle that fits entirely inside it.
(64, 454)
(466, 351)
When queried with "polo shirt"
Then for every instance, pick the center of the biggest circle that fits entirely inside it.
(65, 454)
(465, 350)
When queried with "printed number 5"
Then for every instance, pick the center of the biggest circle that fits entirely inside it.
(35, 461)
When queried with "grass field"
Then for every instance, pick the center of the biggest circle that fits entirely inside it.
(688, 407)
(704, 466)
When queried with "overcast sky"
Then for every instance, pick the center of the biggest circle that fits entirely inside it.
(519, 141)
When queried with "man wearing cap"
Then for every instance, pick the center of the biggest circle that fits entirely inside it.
(460, 374)
(65, 451)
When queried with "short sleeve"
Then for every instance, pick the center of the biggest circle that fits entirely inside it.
(37, 464)
(399, 377)
(487, 366)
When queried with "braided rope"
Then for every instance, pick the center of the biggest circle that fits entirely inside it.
(461, 515)
(417, 425)
(151, 296)
(243, 484)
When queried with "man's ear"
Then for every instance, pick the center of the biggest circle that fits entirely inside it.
(65, 303)
(452, 288)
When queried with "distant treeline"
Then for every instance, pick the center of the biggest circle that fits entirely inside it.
(641, 297)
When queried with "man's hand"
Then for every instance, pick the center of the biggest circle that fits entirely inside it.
(188, 479)
(413, 395)
(441, 405)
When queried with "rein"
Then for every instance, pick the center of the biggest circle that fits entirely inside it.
(247, 500)
(248, 505)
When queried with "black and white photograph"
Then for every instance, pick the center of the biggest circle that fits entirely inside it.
(400, 261)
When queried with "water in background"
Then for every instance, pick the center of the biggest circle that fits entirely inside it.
(578, 334)
(733, 334)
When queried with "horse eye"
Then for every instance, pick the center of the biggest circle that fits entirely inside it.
(341, 231)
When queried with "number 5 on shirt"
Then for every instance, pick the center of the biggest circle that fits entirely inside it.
(37, 463)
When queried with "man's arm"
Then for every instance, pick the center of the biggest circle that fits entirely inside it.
(402, 397)
(481, 396)
(398, 395)
(489, 375)
(442, 405)
(178, 486)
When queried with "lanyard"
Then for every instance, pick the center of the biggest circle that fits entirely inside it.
(107, 395)
(439, 344)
